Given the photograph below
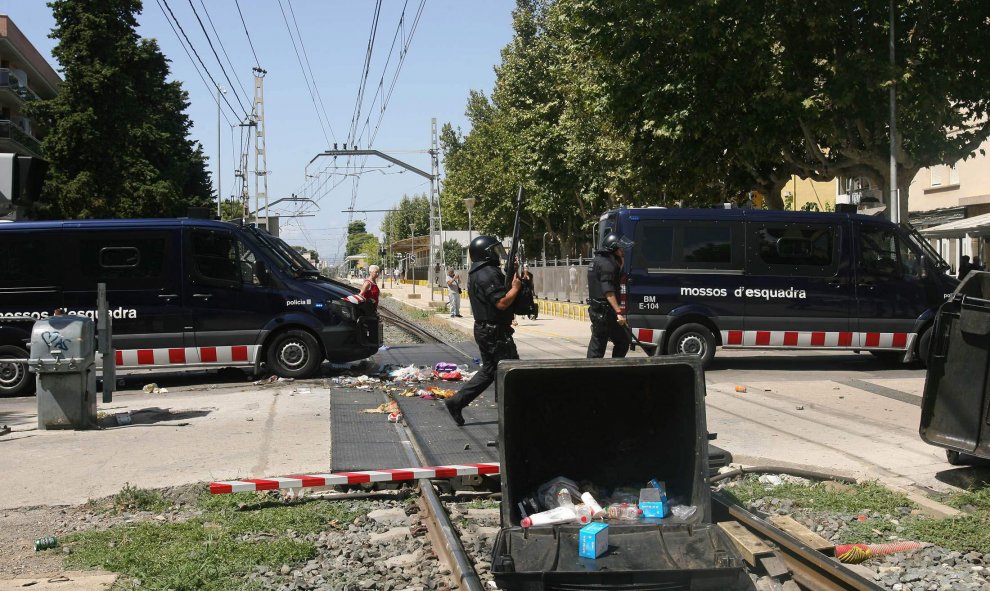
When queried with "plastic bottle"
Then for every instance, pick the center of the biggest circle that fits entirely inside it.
(555, 515)
(590, 501)
(45, 543)
(624, 511)
(564, 498)
(584, 513)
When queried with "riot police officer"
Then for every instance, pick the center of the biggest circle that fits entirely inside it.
(607, 321)
(491, 305)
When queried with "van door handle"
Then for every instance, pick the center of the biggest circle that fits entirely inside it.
(168, 296)
(203, 296)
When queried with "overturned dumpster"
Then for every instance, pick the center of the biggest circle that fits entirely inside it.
(955, 408)
(608, 426)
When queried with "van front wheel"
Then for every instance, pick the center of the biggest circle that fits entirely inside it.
(693, 339)
(294, 354)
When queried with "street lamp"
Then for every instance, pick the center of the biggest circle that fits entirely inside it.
(220, 89)
(412, 248)
(545, 234)
(469, 204)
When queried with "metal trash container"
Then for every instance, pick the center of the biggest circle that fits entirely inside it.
(609, 423)
(63, 355)
(954, 409)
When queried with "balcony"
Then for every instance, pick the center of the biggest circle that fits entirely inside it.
(14, 139)
(10, 85)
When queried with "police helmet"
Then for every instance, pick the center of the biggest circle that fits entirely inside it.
(485, 248)
(612, 241)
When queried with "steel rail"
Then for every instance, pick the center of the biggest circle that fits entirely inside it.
(407, 325)
(809, 567)
(443, 535)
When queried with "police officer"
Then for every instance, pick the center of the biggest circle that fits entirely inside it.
(607, 321)
(491, 305)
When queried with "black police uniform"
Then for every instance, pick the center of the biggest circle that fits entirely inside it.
(492, 330)
(603, 276)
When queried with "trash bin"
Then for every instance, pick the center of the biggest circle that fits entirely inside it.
(63, 355)
(610, 423)
(954, 408)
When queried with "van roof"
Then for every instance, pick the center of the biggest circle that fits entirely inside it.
(117, 224)
(731, 214)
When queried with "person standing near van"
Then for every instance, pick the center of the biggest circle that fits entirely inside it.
(369, 289)
(491, 305)
(607, 321)
(964, 266)
(454, 293)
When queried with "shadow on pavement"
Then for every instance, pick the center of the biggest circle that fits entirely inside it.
(152, 416)
(851, 362)
(967, 477)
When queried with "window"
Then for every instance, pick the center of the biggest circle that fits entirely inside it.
(122, 260)
(214, 257)
(654, 245)
(882, 253)
(936, 176)
(29, 260)
(795, 245)
(248, 260)
(707, 244)
(954, 174)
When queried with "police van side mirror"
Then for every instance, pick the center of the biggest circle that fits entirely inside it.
(923, 267)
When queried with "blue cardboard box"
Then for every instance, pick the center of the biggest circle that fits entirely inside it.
(653, 502)
(593, 540)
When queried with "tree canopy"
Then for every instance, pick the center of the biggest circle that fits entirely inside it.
(110, 154)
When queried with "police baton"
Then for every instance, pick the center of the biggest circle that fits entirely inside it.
(649, 348)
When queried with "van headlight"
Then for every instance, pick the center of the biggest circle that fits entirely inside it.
(344, 309)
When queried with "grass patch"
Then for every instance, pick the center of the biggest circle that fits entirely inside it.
(213, 550)
(483, 504)
(869, 496)
(967, 533)
(131, 499)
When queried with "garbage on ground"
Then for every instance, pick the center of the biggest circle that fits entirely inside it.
(45, 543)
(123, 418)
(4, 430)
(593, 540)
(154, 389)
(741, 389)
(394, 417)
(385, 408)
(446, 371)
(361, 382)
(857, 553)
(410, 374)
(272, 379)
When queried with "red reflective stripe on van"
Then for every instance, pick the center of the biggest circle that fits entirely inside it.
(790, 339)
(872, 339)
(762, 337)
(208, 354)
(900, 340)
(239, 353)
(119, 357)
(646, 335)
(177, 356)
(735, 337)
(845, 339)
(817, 339)
(145, 357)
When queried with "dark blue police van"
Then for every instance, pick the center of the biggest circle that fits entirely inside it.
(183, 294)
(697, 279)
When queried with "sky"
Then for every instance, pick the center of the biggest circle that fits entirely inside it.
(452, 50)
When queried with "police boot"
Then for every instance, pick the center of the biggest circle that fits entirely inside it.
(455, 411)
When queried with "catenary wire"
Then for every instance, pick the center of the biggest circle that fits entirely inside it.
(257, 63)
(216, 55)
(309, 87)
(312, 76)
(230, 63)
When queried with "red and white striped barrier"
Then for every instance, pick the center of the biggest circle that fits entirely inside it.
(340, 478)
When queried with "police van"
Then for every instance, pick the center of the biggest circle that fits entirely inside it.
(698, 279)
(183, 294)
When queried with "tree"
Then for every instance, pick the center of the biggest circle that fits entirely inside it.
(415, 210)
(746, 94)
(453, 253)
(110, 154)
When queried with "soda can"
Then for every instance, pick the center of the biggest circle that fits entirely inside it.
(45, 543)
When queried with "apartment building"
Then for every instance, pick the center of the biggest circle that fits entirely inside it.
(25, 76)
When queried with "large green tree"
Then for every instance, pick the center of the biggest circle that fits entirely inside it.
(746, 94)
(410, 210)
(117, 133)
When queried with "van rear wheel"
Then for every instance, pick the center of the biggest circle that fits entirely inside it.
(693, 339)
(294, 354)
(924, 346)
(15, 380)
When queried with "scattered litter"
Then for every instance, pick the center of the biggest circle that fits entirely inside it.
(394, 417)
(799, 407)
(740, 388)
(123, 418)
(770, 480)
(264, 381)
(385, 408)
(448, 375)
(301, 391)
(249, 419)
(411, 374)
(45, 543)
(383, 348)
(154, 389)
(467, 446)
(683, 511)
(856, 553)
(287, 379)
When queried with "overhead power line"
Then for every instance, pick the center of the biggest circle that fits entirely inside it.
(196, 53)
(312, 76)
(209, 19)
(182, 43)
(309, 86)
(365, 70)
(251, 43)
(217, 56)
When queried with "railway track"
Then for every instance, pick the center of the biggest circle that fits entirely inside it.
(804, 567)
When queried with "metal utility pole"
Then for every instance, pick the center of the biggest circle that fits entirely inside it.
(220, 90)
(436, 219)
(242, 172)
(260, 160)
(895, 197)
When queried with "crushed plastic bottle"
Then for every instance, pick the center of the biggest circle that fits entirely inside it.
(683, 511)
(624, 511)
(584, 513)
(564, 498)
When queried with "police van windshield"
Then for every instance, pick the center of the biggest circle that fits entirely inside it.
(926, 248)
(284, 256)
